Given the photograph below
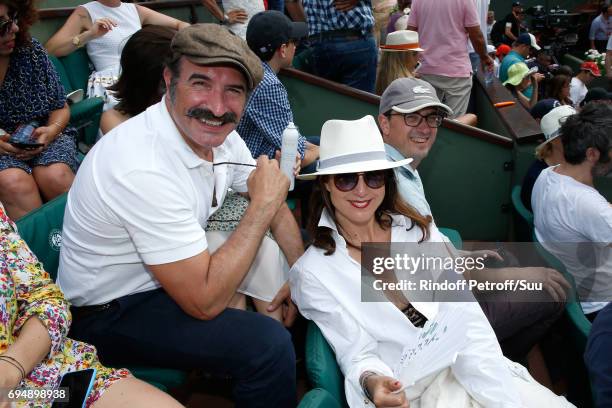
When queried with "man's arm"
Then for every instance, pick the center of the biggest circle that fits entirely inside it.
(311, 154)
(295, 10)
(592, 34)
(609, 62)
(479, 44)
(203, 285)
(508, 32)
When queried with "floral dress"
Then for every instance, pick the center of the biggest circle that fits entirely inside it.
(26, 290)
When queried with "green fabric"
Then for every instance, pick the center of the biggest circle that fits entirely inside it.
(581, 326)
(162, 378)
(318, 398)
(454, 236)
(86, 115)
(61, 72)
(321, 366)
(41, 229)
(520, 208)
(78, 68)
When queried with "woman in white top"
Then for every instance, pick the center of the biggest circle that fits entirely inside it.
(103, 26)
(358, 203)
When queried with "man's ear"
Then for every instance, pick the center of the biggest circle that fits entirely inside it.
(167, 78)
(282, 50)
(592, 155)
(385, 126)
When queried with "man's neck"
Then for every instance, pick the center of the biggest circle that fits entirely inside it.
(275, 64)
(582, 173)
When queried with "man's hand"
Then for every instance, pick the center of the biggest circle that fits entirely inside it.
(382, 389)
(237, 16)
(487, 63)
(553, 282)
(283, 299)
(345, 5)
(298, 162)
(267, 184)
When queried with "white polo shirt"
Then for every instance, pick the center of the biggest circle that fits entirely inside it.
(141, 196)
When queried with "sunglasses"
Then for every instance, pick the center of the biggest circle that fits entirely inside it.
(7, 25)
(348, 181)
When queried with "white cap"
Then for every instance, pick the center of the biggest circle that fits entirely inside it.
(551, 122)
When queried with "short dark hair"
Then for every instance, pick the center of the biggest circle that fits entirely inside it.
(142, 63)
(592, 127)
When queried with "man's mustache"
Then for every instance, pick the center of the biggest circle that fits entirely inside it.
(202, 113)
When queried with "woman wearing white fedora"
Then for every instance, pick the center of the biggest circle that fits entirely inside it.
(358, 203)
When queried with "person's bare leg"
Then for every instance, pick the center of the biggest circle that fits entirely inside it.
(238, 301)
(537, 367)
(261, 307)
(18, 192)
(53, 180)
(134, 393)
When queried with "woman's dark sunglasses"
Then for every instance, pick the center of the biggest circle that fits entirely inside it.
(348, 181)
(6, 25)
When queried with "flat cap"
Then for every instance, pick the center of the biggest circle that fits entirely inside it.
(211, 44)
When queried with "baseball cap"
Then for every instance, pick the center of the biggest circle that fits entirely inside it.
(543, 107)
(596, 94)
(528, 39)
(211, 44)
(490, 49)
(503, 50)
(516, 4)
(551, 122)
(268, 30)
(407, 95)
(591, 67)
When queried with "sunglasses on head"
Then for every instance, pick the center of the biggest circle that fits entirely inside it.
(6, 25)
(348, 181)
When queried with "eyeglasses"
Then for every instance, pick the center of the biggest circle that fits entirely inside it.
(434, 120)
(7, 25)
(348, 181)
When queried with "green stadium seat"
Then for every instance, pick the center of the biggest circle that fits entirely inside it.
(318, 398)
(41, 229)
(453, 235)
(520, 208)
(84, 115)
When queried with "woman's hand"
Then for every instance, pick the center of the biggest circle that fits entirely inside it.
(6, 147)
(537, 77)
(384, 392)
(237, 16)
(101, 27)
(10, 378)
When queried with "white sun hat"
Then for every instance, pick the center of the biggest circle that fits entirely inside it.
(402, 40)
(351, 146)
(551, 122)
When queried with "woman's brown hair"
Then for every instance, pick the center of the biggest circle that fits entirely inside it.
(392, 204)
(392, 66)
(27, 15)
(555, 86)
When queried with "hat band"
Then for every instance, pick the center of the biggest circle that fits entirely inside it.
(410, 46)
(350, 158)
(554, 134)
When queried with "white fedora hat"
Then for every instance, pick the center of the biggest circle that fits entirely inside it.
(351, 146)
(402, 40)
(551, 122)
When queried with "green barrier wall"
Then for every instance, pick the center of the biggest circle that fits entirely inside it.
(464, 177)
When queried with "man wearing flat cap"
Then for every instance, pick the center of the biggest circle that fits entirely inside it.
(135, 260)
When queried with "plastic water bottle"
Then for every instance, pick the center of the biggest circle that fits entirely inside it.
(289, 151)
(489, 75)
